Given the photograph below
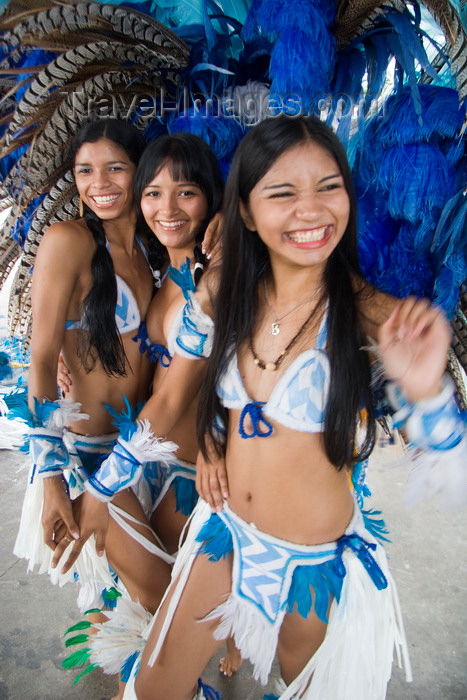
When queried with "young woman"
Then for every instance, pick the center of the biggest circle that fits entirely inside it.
(288, 564)
(92, 285)
(179, 188)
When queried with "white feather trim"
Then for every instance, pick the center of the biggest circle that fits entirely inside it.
(355, 658)
(30, 545)
(13, 433)
(440, 475)
(254, 636)
(147, 448)
(68, 412)
(120, 637)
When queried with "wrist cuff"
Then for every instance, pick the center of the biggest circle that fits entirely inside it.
(435, 423)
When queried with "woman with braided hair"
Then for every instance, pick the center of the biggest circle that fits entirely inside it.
(110, 352)
(92, 285)
(178, 189)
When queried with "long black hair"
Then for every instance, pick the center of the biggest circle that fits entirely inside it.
(189, 158)
(245, 259)
(102, 340)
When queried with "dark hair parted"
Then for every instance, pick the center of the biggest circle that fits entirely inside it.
(190, 159)
(102, 340)
(245, 259)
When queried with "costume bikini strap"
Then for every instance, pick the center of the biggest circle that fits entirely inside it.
(194, 340)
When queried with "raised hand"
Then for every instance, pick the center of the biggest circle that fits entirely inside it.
(413, 345)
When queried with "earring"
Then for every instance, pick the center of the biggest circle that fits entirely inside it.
(81, 208)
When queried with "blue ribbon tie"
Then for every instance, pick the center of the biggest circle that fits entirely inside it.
(254, 411)
(362, 549)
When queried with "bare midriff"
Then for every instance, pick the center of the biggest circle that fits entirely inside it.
(286, 486)
(95, 389)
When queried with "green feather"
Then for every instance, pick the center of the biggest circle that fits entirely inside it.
(78, 658)
(92, 610)
(85, 672)
(83, 625)
(79, 639)
(112, 594)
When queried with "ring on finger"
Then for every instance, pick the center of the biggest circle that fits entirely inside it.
(67, 538)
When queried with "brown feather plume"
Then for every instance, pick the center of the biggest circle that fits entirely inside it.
(101, 51)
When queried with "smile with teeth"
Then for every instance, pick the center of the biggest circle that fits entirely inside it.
(172, 224)
(308, 236)
(105, 198)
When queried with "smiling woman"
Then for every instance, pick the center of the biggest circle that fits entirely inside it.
(174, 210)
(300, 206)
(104, 178)
(92, 285)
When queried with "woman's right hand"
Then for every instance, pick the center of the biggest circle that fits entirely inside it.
(212, 238)
(211, 481)
(93, 518)
(63, 377)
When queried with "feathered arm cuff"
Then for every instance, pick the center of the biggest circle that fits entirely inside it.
(123, 466)
(46, 447)
(437, 434)
(435, 423)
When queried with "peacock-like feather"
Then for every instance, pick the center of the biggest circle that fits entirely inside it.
(358, 17)
(57, 62)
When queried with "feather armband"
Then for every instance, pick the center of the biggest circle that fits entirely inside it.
(46, 447)
(194, 339)
(437, 433)
(123, 466)
(435, 423)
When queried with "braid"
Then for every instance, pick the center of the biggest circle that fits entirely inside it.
(102, 340)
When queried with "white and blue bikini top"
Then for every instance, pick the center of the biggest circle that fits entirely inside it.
(127, 315)
(183, 278)
(298, 400)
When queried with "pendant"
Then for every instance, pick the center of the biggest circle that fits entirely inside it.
(271, 366)
(275, 330)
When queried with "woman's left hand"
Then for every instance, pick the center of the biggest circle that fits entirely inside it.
(93, 518)
(413, 344)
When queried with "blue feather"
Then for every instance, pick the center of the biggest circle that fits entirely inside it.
(208, 691)
(220, 132)
(302, 63)
(6, 371)
(186, 495)
(417, 178)
(250, 29)
(216, 539)
(128, 666)
(447, 287)
(124, 421)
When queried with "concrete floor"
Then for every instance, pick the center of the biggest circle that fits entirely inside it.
(428, 560)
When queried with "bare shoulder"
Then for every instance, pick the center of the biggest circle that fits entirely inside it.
(374, 306)
(71, 241)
